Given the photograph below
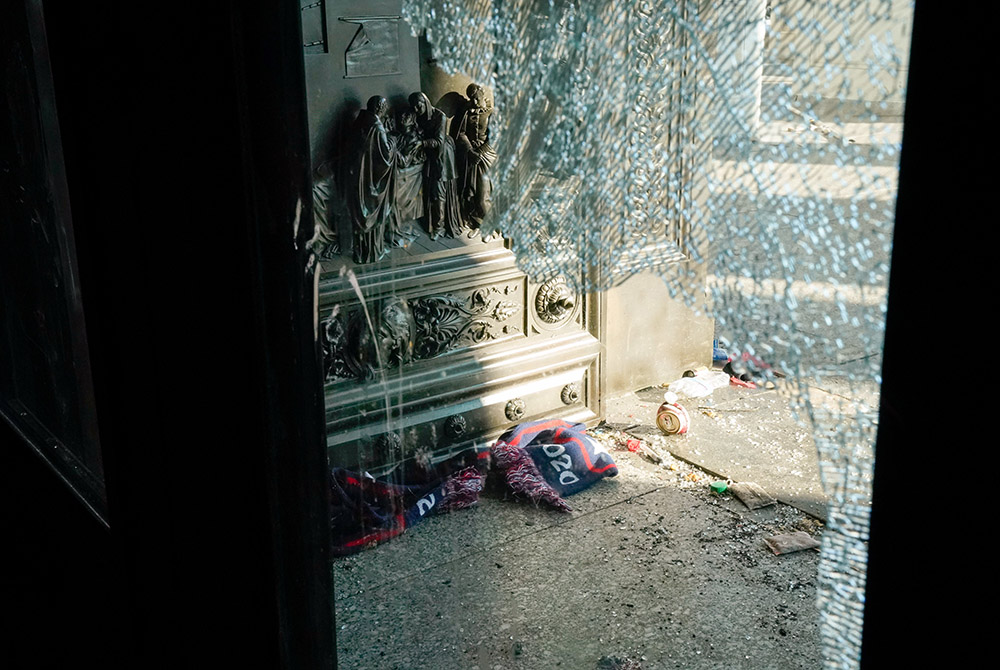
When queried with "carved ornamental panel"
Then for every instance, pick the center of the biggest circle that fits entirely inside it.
(400, 330)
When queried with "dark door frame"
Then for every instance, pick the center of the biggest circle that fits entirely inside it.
(187, 168)
(915, 602)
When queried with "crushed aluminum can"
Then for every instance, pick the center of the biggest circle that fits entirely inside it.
(672, 419)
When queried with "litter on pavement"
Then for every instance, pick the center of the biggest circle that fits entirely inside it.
(671, 418)
(786, 544)
(644, 450)
(752, 495)
(699, 383)
(719, 486)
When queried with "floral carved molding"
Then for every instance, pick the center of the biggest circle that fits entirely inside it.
(417, 328)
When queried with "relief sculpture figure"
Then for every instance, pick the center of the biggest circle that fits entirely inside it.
(474, 156)
(328, 208)
(409, 171)
(373, 211)
(441, 209)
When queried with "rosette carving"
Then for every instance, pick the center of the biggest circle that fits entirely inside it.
(455, 426)
(515, 409)
(554, 301)
(388, 447)
(570, 394)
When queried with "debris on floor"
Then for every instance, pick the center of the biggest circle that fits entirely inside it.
(654, 448)
(658, 535)
(745, 383)
(789, 542)
(750, 371)
(698, 383)
(649, 453)
(809, 525)
(719, 486)
(752, 495)
(671, 418)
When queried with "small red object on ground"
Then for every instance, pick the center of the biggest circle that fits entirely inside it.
(736, 381)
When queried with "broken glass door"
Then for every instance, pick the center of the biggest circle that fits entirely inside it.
(743, 154)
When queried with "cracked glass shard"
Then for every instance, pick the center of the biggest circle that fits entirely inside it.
(745, 152)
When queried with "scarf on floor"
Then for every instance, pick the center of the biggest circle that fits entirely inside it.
(542, 461)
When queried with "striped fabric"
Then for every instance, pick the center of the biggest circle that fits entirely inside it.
(549, 459)
(542, 461)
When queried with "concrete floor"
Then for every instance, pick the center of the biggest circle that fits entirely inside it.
(651, 567)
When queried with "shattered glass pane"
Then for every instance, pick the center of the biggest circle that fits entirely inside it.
(747, 153)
